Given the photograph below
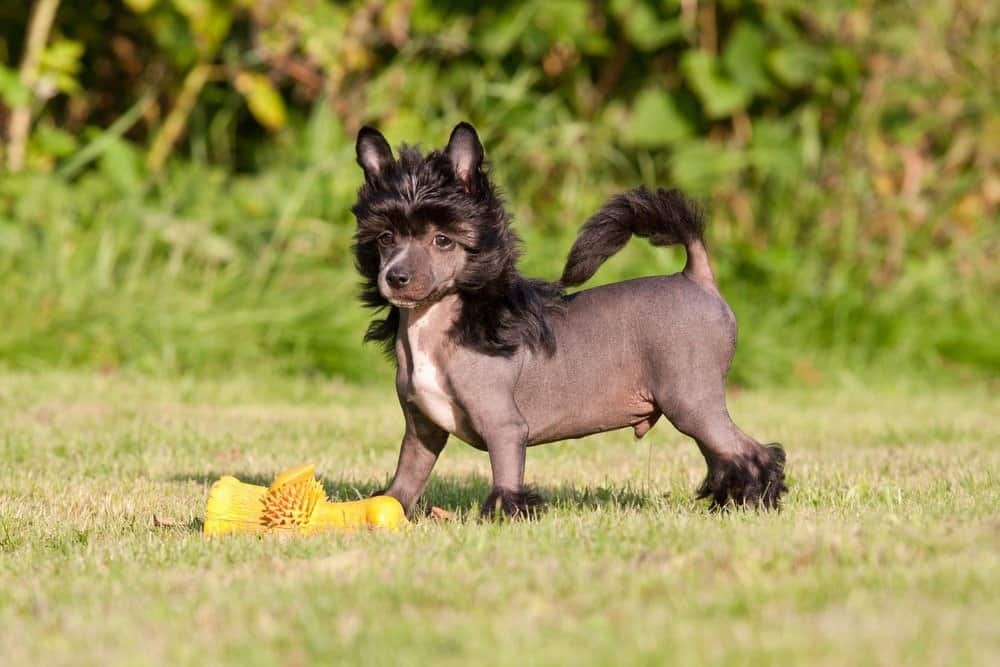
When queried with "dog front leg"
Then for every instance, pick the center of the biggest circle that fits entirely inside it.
(507, 448)
(422, 443)
(499, 424)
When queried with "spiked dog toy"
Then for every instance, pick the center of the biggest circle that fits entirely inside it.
(294, 503)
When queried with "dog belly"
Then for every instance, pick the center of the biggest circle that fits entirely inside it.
(597, 412)
(562, 407)
(595, 382)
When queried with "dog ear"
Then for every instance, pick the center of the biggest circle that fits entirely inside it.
(374, 154)
(466, 154)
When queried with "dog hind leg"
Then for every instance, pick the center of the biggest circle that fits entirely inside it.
(741, 471)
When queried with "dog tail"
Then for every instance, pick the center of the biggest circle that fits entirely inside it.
(664, 217)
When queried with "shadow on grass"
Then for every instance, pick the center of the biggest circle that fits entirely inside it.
(462, 495)
(468, 493)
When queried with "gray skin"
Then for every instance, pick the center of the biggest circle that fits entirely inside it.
(626, 354)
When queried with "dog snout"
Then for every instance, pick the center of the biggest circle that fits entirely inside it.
(397, 278)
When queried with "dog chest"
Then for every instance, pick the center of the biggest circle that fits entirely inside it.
(428, 386)
(431, 394)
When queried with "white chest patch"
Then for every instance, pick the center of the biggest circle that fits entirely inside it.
(428, 383)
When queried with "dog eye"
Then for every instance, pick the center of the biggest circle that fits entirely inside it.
(443, 241)
(386, 239)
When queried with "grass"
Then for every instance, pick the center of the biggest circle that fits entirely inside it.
(886, 552)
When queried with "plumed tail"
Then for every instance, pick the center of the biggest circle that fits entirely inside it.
(664, 217)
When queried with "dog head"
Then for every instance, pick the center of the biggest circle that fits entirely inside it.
(428, 225)
(432, 225)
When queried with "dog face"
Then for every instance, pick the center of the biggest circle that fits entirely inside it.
(428, 225)
(416, 269)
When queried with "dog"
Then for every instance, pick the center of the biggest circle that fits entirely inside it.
(504, 362)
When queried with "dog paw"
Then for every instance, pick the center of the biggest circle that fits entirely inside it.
(523, 504)
(756, 481)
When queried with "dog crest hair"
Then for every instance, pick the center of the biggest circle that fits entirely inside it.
(501, 310)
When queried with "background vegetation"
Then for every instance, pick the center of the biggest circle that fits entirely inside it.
(178, 173)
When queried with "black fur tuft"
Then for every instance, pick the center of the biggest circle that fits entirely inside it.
(523, 504)
(501, 310)
(664, 217)
(756, 481)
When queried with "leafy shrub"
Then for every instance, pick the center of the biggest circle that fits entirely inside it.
(190, 166)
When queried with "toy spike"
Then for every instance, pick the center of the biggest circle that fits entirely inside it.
(295, 502)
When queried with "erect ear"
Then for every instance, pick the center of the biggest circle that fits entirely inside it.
(374, 154)
(466, 154)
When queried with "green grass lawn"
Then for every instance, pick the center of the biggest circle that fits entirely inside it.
(886, 552)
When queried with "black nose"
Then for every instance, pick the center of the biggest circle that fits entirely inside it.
(397, 278)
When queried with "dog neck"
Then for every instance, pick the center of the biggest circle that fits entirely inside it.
(433, 321)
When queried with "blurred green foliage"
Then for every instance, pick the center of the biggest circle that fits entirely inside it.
(190, 167)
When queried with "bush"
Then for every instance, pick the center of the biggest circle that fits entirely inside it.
(190, 167)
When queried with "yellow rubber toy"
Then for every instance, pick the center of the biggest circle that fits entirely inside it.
(294, 503)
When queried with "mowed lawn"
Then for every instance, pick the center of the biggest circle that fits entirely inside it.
(886, 553)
